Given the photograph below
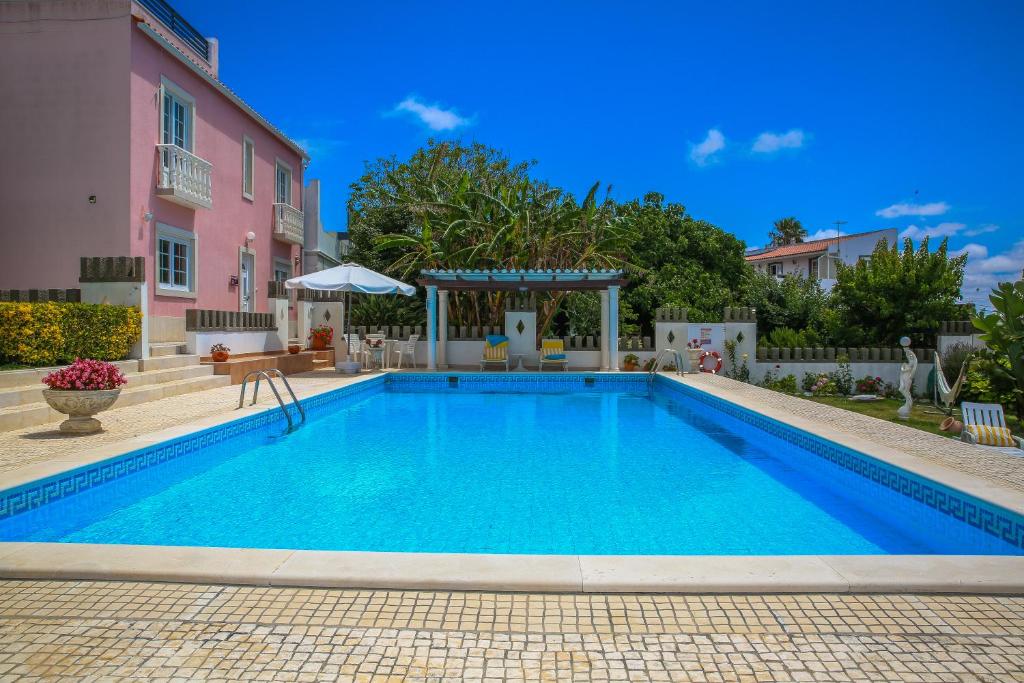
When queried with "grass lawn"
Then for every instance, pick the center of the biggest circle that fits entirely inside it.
(886, 410)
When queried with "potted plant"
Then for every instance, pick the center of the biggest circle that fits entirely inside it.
(630, 362)
(219, 353)
(320, 337)
(81, 390)
(294, 348)
(693, 351)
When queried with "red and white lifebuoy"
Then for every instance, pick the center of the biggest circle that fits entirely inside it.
(717, 358)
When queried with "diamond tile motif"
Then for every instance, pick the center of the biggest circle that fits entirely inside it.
(520, 327)
(671, 336)
(327, 316)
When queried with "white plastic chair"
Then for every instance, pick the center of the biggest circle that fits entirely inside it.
(406, 349)
(989, 415)
(354, 346)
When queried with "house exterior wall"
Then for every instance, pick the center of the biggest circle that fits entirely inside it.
(63, 120)
(853, 248)
(220, 231)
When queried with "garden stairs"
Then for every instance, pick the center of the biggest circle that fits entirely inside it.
(168, 372)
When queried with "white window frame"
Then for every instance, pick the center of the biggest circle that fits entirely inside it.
(251, 156)
(176, 236)
(169, 87)
(775, 269)
(242, 253)
(278, 164)
(284, 265)
(814, 267)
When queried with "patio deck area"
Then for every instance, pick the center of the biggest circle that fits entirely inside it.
(79, 629)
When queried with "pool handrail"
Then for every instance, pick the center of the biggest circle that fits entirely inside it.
(267, 374)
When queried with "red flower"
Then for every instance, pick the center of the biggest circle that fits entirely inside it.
(86, 375)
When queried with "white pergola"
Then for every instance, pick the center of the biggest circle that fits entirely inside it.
(439, 283)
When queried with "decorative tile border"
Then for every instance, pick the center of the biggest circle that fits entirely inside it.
(38, 493)
(992, 519)
(521, 381)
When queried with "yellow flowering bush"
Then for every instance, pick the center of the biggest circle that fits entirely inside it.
(49, 333)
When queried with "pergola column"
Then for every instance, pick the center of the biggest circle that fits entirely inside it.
(442, 314)
(613, 327)
(604, 329)
(431, 327)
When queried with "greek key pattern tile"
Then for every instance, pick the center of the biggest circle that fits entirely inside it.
(998, 522)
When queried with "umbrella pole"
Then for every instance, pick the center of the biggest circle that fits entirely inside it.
(348, 326)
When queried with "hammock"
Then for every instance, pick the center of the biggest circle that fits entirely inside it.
(945, 394)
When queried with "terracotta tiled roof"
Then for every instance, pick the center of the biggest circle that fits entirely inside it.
(812, 247)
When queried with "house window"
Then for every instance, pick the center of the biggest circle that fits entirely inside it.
(775, 269)
(175, 261)
(812, 268)
(283, 184)
(177, 117)
(248, 162)
(282, 270)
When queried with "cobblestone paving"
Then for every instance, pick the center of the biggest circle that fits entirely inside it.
(1004, 469)
(44, 442)
(179, 632)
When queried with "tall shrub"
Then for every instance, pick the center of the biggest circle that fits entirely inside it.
(49, 333)
(1003, 332)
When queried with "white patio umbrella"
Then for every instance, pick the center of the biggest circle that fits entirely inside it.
(348, 278)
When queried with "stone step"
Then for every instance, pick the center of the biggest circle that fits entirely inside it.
(34, 376)
(167, 348)
(34, 393)
(165, 362)
(31, 414)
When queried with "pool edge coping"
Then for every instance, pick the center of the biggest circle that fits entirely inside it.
(984, 574)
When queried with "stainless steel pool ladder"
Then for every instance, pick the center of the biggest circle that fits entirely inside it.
(267, 374)
(657, 361)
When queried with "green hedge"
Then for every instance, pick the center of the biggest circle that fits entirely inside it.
(51, 333)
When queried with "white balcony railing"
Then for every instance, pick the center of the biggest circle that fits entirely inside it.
(184, 177)
(288, 224)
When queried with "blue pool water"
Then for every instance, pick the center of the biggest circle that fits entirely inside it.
(499, 468)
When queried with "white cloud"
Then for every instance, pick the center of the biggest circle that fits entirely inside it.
(766, 143)
(825, 234)
(910, 209)
(704, 152)
(431, 115)
(981, 230)
(973, 251)
(984, 272)
(940, 230)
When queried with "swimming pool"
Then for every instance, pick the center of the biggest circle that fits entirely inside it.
(567, 464)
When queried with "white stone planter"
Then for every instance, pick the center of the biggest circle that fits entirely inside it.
(693, 355)
(80, 406)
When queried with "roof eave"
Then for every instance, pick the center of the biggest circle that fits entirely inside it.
(220, 87)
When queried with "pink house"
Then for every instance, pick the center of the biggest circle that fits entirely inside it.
(119, 139)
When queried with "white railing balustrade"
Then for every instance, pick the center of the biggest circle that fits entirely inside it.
(184, 177)
(288, 224)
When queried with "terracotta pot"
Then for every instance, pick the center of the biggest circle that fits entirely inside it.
(629, 367)
(317, 343)
(219, 356)
(80, 406)
(951, 425)
(294, 348)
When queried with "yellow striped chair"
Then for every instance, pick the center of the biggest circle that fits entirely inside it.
(985, 425)
(552, 352)
(495, 351)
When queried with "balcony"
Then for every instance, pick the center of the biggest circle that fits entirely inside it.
(288, 224)
(184, 178)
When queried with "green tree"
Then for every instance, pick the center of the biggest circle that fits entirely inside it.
(792, 302)
(896, 293)
(677, 260)
(454, 206)
(1003, 333)
(787, 231)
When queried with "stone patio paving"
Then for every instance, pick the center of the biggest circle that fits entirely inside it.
(96, 630)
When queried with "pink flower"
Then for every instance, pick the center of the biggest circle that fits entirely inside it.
(86, 375)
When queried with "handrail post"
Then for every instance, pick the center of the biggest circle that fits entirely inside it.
(266, 374)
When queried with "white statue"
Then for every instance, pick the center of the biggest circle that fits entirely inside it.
(907, 371)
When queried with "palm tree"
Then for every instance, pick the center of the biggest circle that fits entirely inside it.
(787, 231)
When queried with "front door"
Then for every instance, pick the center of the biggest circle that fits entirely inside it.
(246, 281)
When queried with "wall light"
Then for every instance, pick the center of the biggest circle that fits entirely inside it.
(250, 237)
(148, 216)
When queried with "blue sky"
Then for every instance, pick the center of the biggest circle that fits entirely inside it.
(901, 115)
